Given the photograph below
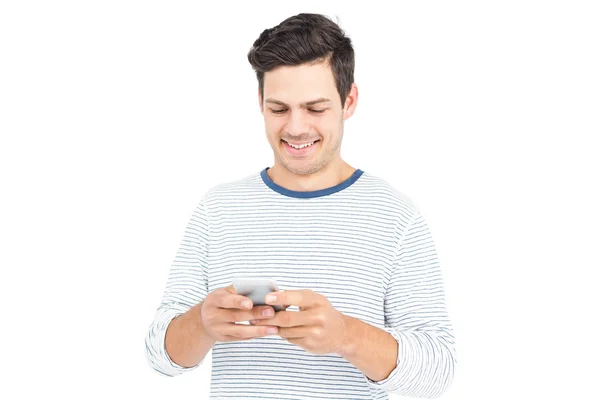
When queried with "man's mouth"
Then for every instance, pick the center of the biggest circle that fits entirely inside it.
(300, 146)
(300, 149)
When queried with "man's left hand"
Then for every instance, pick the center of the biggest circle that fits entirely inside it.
(318, 327)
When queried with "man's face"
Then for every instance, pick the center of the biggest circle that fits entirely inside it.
(301, 105)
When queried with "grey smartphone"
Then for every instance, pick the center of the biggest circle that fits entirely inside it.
(256, 289)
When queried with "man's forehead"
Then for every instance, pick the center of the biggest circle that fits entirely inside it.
(300, 76)
(302, 85)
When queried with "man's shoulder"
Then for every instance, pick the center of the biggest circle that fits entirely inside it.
(233, 187)
(383, 190)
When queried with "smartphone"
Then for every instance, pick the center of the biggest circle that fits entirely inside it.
(256, 289)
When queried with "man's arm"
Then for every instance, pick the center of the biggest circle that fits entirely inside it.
(187, 342)
(179, 311)
(421, 358)
(370, 349)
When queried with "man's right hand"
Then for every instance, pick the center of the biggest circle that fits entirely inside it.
(223, 307)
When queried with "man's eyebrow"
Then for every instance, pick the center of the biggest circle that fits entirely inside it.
(308, 103)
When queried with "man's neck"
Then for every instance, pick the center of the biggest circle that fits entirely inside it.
(324, 179)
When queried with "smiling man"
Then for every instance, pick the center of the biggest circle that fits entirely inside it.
(304, 121)
(365, 311)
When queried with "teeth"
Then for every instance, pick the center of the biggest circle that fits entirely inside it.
(301, 146)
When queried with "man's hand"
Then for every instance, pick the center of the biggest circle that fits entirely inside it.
(318, 327)
(223, 307)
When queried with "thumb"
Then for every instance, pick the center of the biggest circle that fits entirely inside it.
(231, 289)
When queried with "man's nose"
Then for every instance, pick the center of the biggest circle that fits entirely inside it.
(298, 123)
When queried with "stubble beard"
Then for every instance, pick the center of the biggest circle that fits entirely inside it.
(316, 166)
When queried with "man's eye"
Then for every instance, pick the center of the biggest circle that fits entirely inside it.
(310, 109)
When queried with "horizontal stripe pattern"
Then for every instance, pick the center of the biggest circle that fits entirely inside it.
(363, 244)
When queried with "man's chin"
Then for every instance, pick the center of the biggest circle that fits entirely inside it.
(301, 168)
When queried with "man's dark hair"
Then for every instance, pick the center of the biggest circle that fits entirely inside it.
(305, 39)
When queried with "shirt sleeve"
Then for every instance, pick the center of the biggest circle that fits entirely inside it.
(416, 316)
(186, 287)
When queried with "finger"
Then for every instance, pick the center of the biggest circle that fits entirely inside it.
(233, 300)
(231, 289)
(257, 313)
(288, 319)
(248, 331)
(296, 332)
(301, 298)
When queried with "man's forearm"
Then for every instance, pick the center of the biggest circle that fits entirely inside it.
(370, 349)
(186, 341)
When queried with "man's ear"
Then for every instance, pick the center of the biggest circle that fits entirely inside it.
(351, 101)
(260, 103)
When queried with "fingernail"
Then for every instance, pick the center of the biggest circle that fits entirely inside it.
(268, 312)
(270, 298)
(272, 330)
(247, 304)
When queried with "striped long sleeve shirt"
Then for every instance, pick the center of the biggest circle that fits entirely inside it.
(362, 244)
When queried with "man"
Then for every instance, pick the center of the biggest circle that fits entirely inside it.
(361, 280)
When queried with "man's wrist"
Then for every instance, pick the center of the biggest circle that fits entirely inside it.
(197, 312)
(349, 334)
(199, 323)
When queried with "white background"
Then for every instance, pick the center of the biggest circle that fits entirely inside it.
(117, 116)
